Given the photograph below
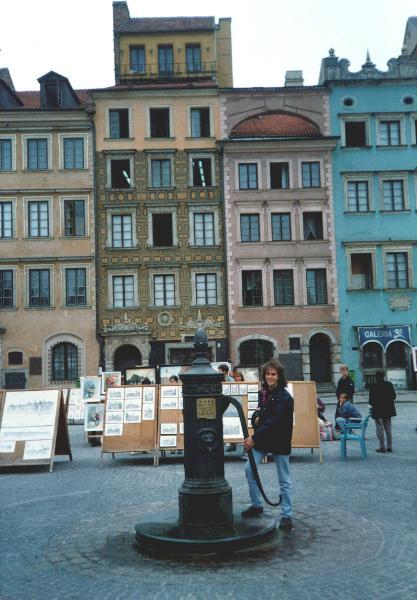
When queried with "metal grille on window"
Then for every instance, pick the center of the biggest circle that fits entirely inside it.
(65, 362)
(255, 352)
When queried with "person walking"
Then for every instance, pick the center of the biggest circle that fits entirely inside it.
(381, 399)
(273, 425)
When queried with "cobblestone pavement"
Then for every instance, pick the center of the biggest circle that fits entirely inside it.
(69, 534)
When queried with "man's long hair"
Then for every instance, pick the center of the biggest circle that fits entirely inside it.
(274, 364)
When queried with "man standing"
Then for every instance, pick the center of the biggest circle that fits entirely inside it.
(345, 384)
(381, 399)
(273, 424)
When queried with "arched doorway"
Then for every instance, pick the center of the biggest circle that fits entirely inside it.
(320, 368)
(126, 357)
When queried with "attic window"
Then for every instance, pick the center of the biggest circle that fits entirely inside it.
(53, 94)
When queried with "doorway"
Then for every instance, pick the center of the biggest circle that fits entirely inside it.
(320, 370)
(126, 357)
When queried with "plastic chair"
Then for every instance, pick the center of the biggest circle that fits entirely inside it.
(355, 430)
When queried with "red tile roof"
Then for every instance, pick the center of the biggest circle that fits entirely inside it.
(32, 99)
(167, 24)
(275, 125)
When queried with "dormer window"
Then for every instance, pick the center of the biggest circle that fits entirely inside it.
(53, 94)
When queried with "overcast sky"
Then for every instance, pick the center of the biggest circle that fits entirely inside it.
(75, 37)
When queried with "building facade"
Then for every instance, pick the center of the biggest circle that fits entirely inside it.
(159, 199)
(375, 203)
(47, 246)
(280, 246)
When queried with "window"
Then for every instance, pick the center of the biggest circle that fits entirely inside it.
(294, 343)
(39, 287)
(74, 218)
(37, 153)
(119, 123)
(6, 220)
(164, 290)
(165, 60)
(313, 225)
(390, 133)
(316, 286)
(355, 134)
(76, 287)
(372, 356)
(74, 153)
(310, 174)
(200, 122)
(121, 231)
(162, 229)
(397, 270)
(193, 58)
(361, 271)
(38, 218)
(159, 122)
(249, 228)
(201, 172)
(255, 352)
(6, 289)
(357, 196)
(248, 176)
(206, 288)
(123, 291)
(15, 358)
(53, 94)
(204, 229)
(160, 172)
(393, 194)
(65, 362)
(120, 173)
(396, 356)
(5, 155)
(281, 227)
(279, 173)
(252, 288)
(137, 59)
(283, 287)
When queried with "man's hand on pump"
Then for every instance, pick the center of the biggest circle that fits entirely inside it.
(248, 443)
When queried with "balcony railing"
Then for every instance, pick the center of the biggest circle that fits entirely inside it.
(152, 71)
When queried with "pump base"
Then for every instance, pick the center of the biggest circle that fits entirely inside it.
(170, 537)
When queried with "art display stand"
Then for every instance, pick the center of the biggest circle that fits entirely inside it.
(247, 394)
(170, 432)
(306, 432)
(33, 428)
(130, 419)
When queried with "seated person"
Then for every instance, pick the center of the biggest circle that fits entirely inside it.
(345, 410)
(321, 407)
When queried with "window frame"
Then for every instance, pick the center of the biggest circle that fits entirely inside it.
(170, 109)
(315, 267)
(165, 72)
(390, 118)
(118, 109)
(240, 164)
(49, 151)
(64, 287)
(249, 215)
(281, 214)
(207, 208)
(163, 273)
(190, 121)
(112, 157)
(62, 137)
(281, 160)
(129, 210)
(137, 47)
(194, 288)
(63, 200)
(112, 273)
(193, 46)
(44, 200)
(369, 250)
(12, 139)
(203, 155)
(152, 210)
(246, 269)
(303, 215)
(12, 270)
(34, 268)
(274, 290)
(301, 173)
(76, 374)
(355, 118)
(358, 178)
(398, 250)
(393, 178)
(11, 201)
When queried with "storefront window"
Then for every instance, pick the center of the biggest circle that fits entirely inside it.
(396, 356)
(372, 356)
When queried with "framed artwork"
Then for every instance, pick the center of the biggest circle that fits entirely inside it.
(94, 416)
(136, 376)
(90, 388)
(166, 372)
(109, 379)
(34, 408)
(250, 373)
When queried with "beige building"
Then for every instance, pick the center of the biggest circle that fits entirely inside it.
(280, 246)
(47, 269)
(160, 209)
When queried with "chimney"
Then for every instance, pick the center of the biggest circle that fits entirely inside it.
(294, 79)
(121, 14)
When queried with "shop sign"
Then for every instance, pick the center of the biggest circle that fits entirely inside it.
(384, 335)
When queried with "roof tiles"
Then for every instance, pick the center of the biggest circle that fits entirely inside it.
(275, 125)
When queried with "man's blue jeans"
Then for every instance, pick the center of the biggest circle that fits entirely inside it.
(282, 462)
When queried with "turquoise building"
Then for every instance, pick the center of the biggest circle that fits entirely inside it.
(375, 211)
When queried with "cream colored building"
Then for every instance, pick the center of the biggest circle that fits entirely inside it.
(47, 244)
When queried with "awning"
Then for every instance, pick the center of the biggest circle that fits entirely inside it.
(384, 335)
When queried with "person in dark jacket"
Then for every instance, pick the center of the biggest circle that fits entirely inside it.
(381, 399)
(273, 424)
(345, 411)
(345, 385)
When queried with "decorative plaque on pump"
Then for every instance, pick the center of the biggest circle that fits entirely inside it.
(206, 408)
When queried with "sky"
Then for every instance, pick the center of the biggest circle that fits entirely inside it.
(75, 37)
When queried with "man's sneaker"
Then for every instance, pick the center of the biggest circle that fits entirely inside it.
(389, 449)
(380, 450)
(285, 524)
(252, 511)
